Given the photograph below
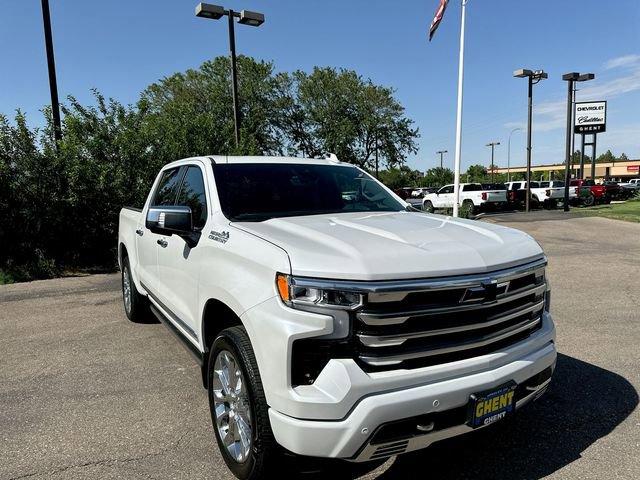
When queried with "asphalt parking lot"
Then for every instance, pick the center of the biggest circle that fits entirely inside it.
(84, 394)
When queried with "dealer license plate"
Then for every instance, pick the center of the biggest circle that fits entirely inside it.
(492, 405)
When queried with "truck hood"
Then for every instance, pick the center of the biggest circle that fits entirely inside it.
(393, 245)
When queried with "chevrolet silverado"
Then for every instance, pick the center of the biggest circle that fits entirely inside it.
(330, 319)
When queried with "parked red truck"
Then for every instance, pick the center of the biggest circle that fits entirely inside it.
(590, 193)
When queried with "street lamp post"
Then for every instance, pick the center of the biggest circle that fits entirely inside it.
(51, 64)
(492, 145)
(245, 17)
(534, 77)
(571, 78)
(509, 153)
(441, 153)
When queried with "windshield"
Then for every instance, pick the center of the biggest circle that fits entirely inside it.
(257, 192)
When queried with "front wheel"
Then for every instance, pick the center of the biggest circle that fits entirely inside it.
(589, 200)
(239, 410)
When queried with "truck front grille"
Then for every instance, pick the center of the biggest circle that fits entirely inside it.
(417, 323)
(411, 324)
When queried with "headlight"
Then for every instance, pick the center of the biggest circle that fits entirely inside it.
(302, 293)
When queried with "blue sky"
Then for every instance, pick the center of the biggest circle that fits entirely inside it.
(126, 45)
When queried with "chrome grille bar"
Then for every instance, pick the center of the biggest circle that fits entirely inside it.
(400, 338)
(485, 340)
(422, 284)
(394, 318)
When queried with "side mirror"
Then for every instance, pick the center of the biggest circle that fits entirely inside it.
(170, 219)
(173, 219)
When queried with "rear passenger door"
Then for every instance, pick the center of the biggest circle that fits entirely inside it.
(178, 264)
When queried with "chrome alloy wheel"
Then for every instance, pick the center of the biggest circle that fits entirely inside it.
(126, 289)
(232, 409)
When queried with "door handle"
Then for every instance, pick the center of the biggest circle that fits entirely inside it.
(140, 232)
(162, 242)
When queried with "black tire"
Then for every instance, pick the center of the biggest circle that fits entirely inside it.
(553, 204)
(138, 308)
(589, 200)
(469, 208)
(427, 206)
(264, 454)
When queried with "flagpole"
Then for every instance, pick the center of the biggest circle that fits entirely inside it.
(456, 181)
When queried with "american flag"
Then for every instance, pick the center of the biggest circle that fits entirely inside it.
(437, 18)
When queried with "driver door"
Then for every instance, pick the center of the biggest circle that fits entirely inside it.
(444, 198)
(178, 264)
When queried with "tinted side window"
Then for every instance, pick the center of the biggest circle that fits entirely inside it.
(192, 194)
(447, 189)
(544, 184)
(535, 185)
(167, 188)
(472, 187)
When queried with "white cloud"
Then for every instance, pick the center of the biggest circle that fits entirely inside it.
(623, 61)
(552, 115)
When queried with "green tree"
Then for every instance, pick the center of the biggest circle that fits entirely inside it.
(437, 177)
(477, 174)
(338, 111)
(575, 158)
(403, 176)
(191, 113)
(606, 157)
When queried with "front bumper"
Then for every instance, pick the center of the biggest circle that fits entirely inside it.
(350, 437)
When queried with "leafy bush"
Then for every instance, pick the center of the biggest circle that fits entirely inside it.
(59, 206)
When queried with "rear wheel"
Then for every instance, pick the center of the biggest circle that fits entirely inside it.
(239, 410)
(427, 206)
(135, 304)
(469, 209)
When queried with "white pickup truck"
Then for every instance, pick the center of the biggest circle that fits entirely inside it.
(473, 197)
(331, 319)
(547, 194)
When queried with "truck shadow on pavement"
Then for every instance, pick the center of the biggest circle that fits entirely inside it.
(584, 403)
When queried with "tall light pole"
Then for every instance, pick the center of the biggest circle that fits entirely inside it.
(441, 153)
(534, 77)
(509, 153)
(571, 78)
(245, 17)
(51, 64)
(492, 145)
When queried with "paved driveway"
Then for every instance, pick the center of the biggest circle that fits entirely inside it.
(86, 394)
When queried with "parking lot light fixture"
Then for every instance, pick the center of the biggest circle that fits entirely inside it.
(253, 19)
(534, 77)
(206, 10)
(441, 153)
(492, 145)
(245, 17)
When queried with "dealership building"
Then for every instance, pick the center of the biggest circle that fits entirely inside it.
(604, 171)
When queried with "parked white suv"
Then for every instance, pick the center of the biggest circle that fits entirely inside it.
(330, 319)
(473, 197)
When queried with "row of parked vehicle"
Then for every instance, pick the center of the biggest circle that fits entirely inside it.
(477, 197)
